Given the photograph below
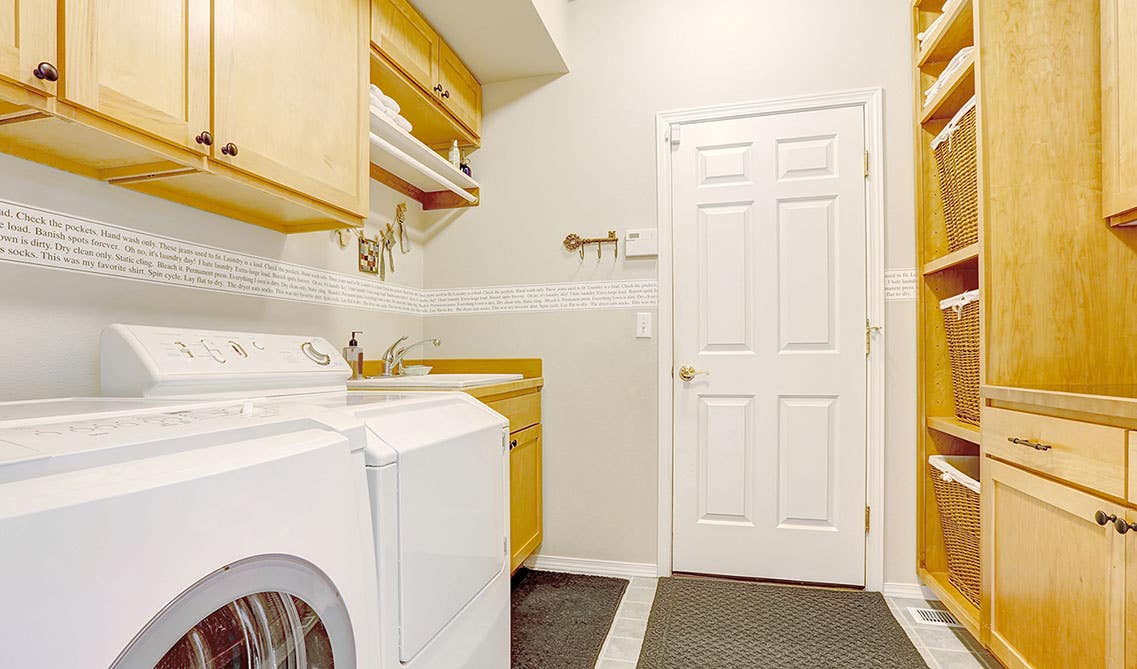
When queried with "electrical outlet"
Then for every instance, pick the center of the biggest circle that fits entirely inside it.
(643, 325)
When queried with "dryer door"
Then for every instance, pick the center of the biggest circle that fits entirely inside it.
(452, 510)
(268, 611)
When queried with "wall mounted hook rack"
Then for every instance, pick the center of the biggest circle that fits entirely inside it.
(575, 242)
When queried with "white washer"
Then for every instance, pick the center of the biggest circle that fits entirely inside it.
(142, 534)
(437, 466)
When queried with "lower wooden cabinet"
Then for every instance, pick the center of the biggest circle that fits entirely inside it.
(524, 494)
(1054, 577)
(1131, 593)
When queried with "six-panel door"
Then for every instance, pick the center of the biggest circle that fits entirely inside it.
(143, 64)
(1054, 575)
(461, 92)
(27, 38)
(289, 106)
(407, 40)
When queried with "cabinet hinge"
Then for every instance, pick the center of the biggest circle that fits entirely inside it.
(676, 136)
(505, 546)
(866, 164)
(868, 519)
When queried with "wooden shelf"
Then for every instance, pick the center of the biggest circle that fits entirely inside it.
(954, 601)
(955, 427)
(963, 256)
(407, 165)
(954, 33)
(958, 90)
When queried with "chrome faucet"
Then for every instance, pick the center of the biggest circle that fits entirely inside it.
(393, 356)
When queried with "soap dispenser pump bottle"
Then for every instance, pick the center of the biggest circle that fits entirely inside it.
(353, 354)
(455, 155)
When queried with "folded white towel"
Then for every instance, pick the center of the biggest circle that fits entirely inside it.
(375, 90)
(385, 101)
(402, 122)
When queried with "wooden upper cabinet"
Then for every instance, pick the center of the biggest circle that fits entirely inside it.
(1053, 576)
(401, 34)
(1119, 110)
(28, 38)
(143, 64)
(461, 92)
(290, 87)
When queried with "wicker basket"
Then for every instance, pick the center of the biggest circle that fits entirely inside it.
(955, 154)
(961, 322)
(955, 479)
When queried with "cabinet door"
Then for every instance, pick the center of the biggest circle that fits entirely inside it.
(142, 64)
(461, 92)
(1131, 592)
(290, 86)
(27, 38)
(1054, 576)
(401, 34)
(1119, 110)
(524, 494)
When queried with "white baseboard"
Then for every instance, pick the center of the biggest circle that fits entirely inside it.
(571, 565)
(908, 591)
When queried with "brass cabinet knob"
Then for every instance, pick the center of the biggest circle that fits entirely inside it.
(205, 138)
(688, 373)
(46, 71)
(229, 149)
(446, 93)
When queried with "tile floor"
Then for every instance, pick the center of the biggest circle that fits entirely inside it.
(941, 647)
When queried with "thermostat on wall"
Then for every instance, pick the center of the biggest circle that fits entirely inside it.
(640, 243)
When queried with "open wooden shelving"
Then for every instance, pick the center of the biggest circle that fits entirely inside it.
(404, 163)
(944, 273)
(965, 255)
(955, 33)
(953, 426)
(958, 605)
(958, 90)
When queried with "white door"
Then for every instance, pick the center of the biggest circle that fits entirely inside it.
(769, 251)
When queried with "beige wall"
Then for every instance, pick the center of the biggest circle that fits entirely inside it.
(53, 318)
(577, 154)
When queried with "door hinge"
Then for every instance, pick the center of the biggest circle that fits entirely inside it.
(868, 519)
(676, 136)
(866, 164)
(870, 330)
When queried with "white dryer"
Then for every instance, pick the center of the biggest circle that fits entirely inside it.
(436, 465)
(166, 534)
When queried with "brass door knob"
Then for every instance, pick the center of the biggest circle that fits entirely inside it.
(688, 373)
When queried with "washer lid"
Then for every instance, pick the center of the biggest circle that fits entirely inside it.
(43, 437)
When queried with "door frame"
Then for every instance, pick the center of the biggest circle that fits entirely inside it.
(870, 100)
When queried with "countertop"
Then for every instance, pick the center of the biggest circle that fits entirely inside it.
(518, 387)
(1115, 403)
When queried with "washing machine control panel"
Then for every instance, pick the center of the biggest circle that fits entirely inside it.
(185, 350)
(152, 361)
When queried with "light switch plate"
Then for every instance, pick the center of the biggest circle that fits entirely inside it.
(640, 243)
(643, 325)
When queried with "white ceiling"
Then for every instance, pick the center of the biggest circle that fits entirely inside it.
(497, 39)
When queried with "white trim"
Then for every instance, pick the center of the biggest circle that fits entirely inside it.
(871, 100)
(908, 591)
(569, 565)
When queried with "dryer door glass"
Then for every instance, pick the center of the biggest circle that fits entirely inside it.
(264, 612)
(268, 629)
